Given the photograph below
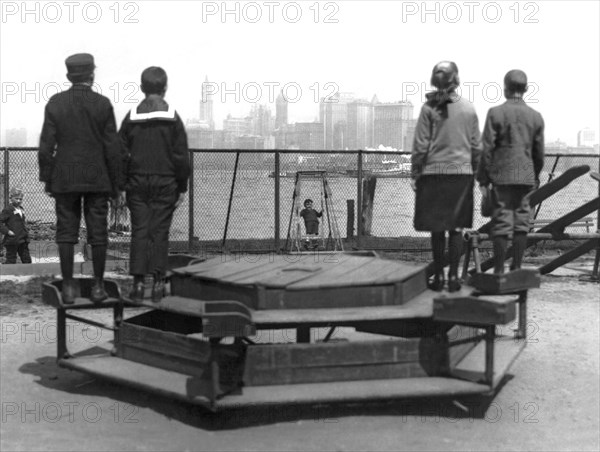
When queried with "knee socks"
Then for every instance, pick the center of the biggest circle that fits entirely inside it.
(438, 245)
(519, 246)
(65, 254)
(99, 260)
(455, 242)
(500, 245)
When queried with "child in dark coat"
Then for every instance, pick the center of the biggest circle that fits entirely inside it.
(157, 173)
(513, 157)
(12, 225)
(311, 219)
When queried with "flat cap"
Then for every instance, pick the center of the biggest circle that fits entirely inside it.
(516, 80)
(80, 64)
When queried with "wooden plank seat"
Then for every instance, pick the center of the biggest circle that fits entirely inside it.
(179, 386)
(506, 283)
(52, 296)
(220, 318)
(474, 310)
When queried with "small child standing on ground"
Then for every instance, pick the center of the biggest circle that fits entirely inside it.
(12, 225)
(311, 218)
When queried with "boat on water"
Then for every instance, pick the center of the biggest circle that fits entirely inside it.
(402, 170)
(385, 169)
(292, 173)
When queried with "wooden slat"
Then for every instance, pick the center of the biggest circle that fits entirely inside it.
(164, 342)
(323, 354)
(283, 278)
(404, 271)
(471, 310)
(183, 387)
(332, 273)
(155, 380)
(362, 274)
(317, 374)
(420, 306)
(215, 269)
(513, 281)
(330, 297)
(251, 275)
(194, 307)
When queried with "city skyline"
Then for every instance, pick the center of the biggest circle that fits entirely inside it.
(377, 48)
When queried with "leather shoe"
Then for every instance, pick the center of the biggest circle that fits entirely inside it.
(98, 293)
(68, 292)
(453, 284)
(158, 290)
(137, 293)
(437, 284)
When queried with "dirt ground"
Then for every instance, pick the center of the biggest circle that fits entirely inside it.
(549, 402)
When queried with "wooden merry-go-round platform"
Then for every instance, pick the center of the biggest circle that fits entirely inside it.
(237, 331)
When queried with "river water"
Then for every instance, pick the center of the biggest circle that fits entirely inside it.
(252, 209)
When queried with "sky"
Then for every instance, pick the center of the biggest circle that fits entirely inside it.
(251, 50)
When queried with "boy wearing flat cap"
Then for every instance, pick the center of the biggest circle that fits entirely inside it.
(156, 174)
(512, 159)
(79, 159)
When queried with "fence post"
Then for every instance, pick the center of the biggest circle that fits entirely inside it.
(595, 276)
(6, 175)
(235, 169)
(191, 205)
(277, 201)
(359, 177)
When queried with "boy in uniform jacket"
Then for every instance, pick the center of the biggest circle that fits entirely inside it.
(156, 172)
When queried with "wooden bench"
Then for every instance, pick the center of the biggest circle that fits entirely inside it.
(586, 222)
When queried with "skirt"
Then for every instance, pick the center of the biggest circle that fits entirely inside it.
(444, 202)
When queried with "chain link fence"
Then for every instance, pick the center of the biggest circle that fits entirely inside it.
(237, 202)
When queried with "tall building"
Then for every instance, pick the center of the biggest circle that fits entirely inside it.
(250, 142)
(262, 120)
(307, 136)
(238, 126)
(199, 135)
(206, 105)
(586, 137)
(410, 135)
(391, 124)
(333, 113)
(281, 111)
(360, 125)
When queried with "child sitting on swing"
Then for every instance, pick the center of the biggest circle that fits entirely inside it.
(311, 220)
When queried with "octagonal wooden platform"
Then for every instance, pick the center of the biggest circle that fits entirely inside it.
(302, 281)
